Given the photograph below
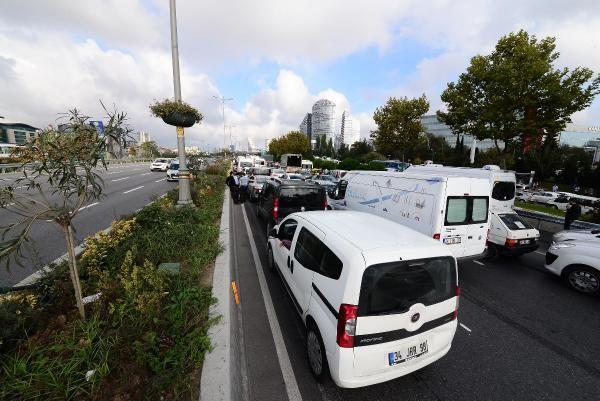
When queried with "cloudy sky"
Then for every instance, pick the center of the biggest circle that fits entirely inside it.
(274, 57)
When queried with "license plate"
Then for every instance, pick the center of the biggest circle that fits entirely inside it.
(412, 351)
(524, 241)
(452, 240)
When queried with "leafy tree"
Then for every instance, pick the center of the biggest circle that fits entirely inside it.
(360, 148)
(292, 142)
(343, 151)
(399, 126)
(516, 95)
(149, 149)
(67, 163)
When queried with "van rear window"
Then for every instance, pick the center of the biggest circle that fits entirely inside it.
(503, 190)
(298, 196)
(394, 287)
(462, 210)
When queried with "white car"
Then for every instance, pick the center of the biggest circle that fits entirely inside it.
(278, 173)
(543, 196)
(522, 196)
(160, 165)
(378, 299)
(583, 235)
(173, 172)
(577, 261)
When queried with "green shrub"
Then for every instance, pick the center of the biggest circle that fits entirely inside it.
(166, 107)
(18, 313)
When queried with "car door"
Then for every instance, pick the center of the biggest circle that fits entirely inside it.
(283, 244)
(307, 256)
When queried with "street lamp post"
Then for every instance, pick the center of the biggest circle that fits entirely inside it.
(185, 197)
(223, 99)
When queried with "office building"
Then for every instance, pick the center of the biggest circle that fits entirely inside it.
(434, 126)
(323, 120)
(578, 135)
(16, 133)
(306, 125)
(143, 137)
(348, 131)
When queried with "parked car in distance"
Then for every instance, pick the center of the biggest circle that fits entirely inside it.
(379, 300)
(521, 196)
(577, 262)
(160, 165)
(173, 171)
(278, 198)
(325, 179)
(256, 186)
(543, 196)
(278, 172)
(306, 174)
(294, 176)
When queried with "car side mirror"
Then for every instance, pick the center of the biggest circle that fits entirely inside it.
(273, 233)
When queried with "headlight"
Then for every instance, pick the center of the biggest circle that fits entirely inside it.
(560, 245)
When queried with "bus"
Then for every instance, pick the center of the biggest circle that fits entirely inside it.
(6, 150)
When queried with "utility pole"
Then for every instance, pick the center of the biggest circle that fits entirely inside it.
(223, 99)
(185, 197)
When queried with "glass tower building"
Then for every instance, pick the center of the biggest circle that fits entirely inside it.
(323, 119)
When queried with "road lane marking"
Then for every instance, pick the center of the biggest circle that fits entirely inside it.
(134, 189)
(540, 253)
(90, 205)
(479, 263)
(289, 379)
(465, 327)
(145, 173)
(120, 179)
(162, 179)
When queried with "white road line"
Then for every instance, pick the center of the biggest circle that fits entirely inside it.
(90, 205)
(465, 327)
(162, 179)
(540, 253)
(145, 173)
(479, 263)
(134, 189)
(289, 379)
(120, 179)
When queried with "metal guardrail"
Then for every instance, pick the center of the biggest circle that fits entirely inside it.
(11, 166)
(578, 224)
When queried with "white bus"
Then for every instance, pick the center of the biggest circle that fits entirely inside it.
(6, 149)
(509, 233)
(453, 210)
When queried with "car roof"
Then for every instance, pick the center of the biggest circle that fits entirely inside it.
(366, 231)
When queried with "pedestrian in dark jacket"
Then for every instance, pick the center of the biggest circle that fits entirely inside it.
(230, 182)
(573, 213)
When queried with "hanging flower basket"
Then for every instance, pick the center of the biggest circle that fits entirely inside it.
(179, 114)
(180, 119)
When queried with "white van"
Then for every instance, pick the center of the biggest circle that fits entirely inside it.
(244, 164)
(378, 299)
(509, 234)
(453, 210)
(307, 165)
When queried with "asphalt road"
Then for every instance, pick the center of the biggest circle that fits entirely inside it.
(523, 335)
(128, 187)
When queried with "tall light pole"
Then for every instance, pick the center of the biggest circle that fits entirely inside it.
(185, 197)
(223, 99)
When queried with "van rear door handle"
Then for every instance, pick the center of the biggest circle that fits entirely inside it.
(470, 237)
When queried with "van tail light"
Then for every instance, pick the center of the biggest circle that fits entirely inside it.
(346, 327)
(510, 242)
(275, 208)
(457, 294)
(436, 236)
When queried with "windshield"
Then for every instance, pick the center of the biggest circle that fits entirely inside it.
(246, 164)
(503, 190)
(174, 167)
(160, 161)
(326, 178)
(297, 197)
(395, 287)
(514, 222)
(259, 179)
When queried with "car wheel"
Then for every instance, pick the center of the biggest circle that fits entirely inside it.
(492, 252)
(317, 359)
(271, 260)
(583, 279)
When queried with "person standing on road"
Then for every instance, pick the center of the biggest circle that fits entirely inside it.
(243, 187)
(230, 182)
(573, 213)
(554, 188)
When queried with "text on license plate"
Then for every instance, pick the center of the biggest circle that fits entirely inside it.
(452, 240)
(409, 352)
(524, 241)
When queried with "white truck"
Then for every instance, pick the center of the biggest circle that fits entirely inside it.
(307, 165)
(509, 233)
(453, 210)
(291, 163)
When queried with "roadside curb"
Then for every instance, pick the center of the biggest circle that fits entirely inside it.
(215, 383)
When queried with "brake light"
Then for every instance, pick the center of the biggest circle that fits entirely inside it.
(346, 327)
(457, 294)
(510, 242)
(275, 208)
(436, 236)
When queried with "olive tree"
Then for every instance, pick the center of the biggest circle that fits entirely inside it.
(61, 174)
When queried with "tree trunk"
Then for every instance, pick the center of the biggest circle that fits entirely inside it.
(73, 270)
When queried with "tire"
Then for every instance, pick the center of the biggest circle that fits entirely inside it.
(583, 279)
(270, 259)
(492, 252)
(315, 353)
